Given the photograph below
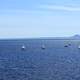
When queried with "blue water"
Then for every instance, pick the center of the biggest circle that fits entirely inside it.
(55, 62)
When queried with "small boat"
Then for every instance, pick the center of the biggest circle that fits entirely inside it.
(79, 47)
(43, 47)
(66, 46)
(23, 47)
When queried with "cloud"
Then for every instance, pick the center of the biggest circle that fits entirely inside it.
(63, 8)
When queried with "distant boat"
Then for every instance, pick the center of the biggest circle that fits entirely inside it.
(23, 47)
(66, 46)
(43, 47)
(79, 47)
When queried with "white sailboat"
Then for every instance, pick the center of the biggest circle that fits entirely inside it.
(79, 47)
(23, 47)
(43, 47)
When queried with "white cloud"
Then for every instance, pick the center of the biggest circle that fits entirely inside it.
(64, 8)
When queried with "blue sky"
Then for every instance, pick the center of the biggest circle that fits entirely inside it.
(39, 18)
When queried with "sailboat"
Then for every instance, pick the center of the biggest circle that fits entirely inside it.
(79, 47)
(23, 47)
(43, 47)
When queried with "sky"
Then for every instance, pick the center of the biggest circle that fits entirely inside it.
(39, 18)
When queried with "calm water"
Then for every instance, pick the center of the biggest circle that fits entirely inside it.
(55, 62)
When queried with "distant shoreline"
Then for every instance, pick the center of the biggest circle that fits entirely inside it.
(75, 37)
(54, 38)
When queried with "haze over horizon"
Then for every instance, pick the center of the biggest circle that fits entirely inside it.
(39, 18)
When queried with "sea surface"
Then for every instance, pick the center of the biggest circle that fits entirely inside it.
(60, 60)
